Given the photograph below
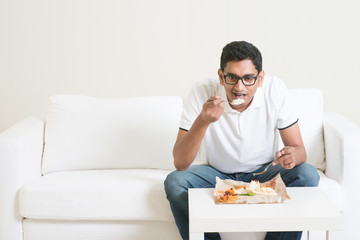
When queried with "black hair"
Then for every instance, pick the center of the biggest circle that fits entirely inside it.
(238, 51)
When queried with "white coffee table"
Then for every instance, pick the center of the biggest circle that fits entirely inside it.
(309, 209)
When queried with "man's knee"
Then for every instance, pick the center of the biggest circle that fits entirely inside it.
(175, 184)
(307, 176)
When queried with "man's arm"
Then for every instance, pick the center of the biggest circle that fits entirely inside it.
(188, 143)
(294, 152)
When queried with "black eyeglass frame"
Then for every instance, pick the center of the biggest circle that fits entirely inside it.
(239, 78)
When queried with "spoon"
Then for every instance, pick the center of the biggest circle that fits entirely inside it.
(236, 102)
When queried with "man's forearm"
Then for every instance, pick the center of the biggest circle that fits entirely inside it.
(187, 144)
(186, 148)
(301, 155)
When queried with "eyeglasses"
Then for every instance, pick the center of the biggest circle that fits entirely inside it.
(247, 80)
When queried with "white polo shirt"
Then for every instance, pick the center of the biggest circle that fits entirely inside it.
(242, 141)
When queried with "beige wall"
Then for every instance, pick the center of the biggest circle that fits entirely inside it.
(160, 47)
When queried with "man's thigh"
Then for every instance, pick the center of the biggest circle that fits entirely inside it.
(303, 175)
(201, 176)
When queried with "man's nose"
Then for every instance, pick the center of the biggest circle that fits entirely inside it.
(239, 86)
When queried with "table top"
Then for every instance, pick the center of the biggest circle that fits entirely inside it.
(308, 209)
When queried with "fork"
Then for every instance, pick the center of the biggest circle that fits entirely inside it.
(255, 174)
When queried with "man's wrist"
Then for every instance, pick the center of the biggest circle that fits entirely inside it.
(202, 122)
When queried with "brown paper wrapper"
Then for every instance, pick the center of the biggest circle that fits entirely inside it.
(276, 183)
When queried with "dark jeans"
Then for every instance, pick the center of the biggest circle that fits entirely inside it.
(177, 184)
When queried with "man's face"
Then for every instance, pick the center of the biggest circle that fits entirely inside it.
(239, 90)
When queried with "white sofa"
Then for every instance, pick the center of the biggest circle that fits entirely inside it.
(94, 168)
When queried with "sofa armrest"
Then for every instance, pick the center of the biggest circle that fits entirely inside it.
(342, 145)
(342, 148)
(21, 148)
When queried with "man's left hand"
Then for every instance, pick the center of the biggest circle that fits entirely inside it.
(286, 157)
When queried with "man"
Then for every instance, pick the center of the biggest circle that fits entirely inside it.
(238, 139)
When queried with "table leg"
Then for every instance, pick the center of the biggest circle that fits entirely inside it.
(327, 234)
(196, 235)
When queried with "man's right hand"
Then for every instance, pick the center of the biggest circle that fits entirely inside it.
(212, 109)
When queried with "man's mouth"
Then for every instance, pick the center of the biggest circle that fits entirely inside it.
(239, 96)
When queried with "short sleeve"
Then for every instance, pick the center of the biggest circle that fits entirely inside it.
(192, 107)
(195, 100)
(287, 114)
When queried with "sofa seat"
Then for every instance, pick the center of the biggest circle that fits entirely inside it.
(127, 194)
(99, 230)
(332, 189)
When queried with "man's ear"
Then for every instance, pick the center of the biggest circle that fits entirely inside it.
(221, 77)
(261, 78)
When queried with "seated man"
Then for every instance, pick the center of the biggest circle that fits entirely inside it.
(239, 137)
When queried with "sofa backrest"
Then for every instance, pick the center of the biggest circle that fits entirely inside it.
(95, 133)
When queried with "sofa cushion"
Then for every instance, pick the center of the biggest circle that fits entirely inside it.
(99, 230)
(332, 189)
(309, 105)
(97, 195)
(95, 133)
(127, 194)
